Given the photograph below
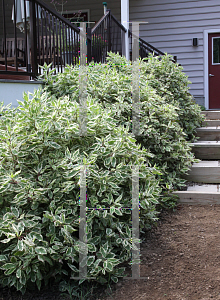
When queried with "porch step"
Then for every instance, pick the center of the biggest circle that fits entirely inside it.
(204, 194)
(211, 123)
(204, 176)
(209, 133)
(204, 171)
(206, 150)
(211, 114)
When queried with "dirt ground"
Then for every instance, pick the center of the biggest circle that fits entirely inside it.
(180, 258)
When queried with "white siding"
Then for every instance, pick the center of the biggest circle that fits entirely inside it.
(172, 26)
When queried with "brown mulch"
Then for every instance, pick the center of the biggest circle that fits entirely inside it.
(180, 258)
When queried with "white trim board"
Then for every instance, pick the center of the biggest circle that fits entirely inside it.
(206, 64)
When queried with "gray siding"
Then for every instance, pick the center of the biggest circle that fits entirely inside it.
(172, 26)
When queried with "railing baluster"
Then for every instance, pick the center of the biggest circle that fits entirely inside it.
(72, 46)
(53, 44)
(25, 39)
(64, 56)
(38, 38)
(57, 48)
(33, 38)
(67, 52)
(15, 35)
(42, 39)
(49, 40)
(61, 46)
(46, 39)
(4, 32)
(89, 45)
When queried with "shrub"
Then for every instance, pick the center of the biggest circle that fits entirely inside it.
(172, 84)
(41, 153)
(161, 122)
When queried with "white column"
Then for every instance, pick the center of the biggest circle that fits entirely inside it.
(125, 23)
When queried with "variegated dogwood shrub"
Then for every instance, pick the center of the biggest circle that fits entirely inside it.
(42, 153)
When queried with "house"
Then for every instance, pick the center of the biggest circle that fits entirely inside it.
(189, 30)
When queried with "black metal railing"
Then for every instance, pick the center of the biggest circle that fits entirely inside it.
(14, 42)
(42, 35)
(144, 48)
(57, 39)
(47, 37)
(106, 36)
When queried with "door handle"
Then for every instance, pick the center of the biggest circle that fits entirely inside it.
(211, 75)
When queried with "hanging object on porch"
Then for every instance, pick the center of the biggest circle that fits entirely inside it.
(22, 10)
(21, 13)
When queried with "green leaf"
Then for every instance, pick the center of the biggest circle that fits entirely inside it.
(38, 282)
(40, 257)
(108, 231)
(112, 210)
(103, 252)
(72, 267)
(47, 259)
(113, 162)
(112, 184)
(20, 245)
(40, 250)
(28, 242)
(54, 145)
(108, 266)
(37, 236)
(8, 266)
(15, 211)
(114, 279)
(50, 194)
(10, 271)
(91, 247)
(90, 260)
(33, 276)
(18, 273)
(105, 213)
(3, 257)
(118, 211)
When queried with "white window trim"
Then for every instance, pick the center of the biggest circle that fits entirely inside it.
(206, 64)
(217, 37)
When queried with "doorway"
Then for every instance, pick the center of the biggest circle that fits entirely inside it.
(214, 70)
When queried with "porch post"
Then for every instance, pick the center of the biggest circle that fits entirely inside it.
(33, 34)
(125, 23)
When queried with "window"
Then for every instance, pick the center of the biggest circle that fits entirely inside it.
(216, 50)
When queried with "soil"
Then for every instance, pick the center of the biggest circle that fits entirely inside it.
(180, 259)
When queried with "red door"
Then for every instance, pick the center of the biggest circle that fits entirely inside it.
(214, 70)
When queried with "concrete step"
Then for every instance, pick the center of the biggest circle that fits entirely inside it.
(200, 194)
(206, 149)
(204, 171)
(211, 123)
(211, 114)
(208, 133)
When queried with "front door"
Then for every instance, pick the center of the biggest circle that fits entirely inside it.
(214, 70)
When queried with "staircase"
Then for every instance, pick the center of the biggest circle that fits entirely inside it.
(205, 175)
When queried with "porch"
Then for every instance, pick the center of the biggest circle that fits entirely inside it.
(33, 33)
